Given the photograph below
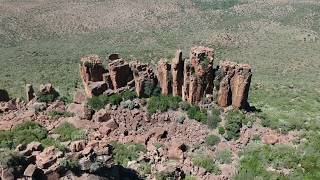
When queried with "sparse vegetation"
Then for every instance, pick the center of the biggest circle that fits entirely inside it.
(194, 112)
(214, 118)
(206, 162)
(224, 156)
(22, 134)
(233, 124)
(68, 132)
(123, 153)
(98, 102)
(221, 130)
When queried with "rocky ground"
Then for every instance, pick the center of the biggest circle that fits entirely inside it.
(170, 144)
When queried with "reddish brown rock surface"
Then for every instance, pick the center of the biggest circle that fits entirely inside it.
(235, 83)
(177, 74)
(164, 76)
(120, 73)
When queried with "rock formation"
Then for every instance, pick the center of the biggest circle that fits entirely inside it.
(192, 79)
(177, 74)
(120, 73)
(164, 76)
(235, 84)
(30, 92)
(92, 75)
(143, 74)
(198, 74)
(4, 96)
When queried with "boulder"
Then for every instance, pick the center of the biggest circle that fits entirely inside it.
(101, 116)
(270, 139)
(176, 150)
(47, 158)
(79, 97)
(4, 96)
(112, 124)
(77, 146)
(33, 172)
(80, 110)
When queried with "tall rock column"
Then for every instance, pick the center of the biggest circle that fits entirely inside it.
(199, 75)
(164, 76)
(142, 74)
(177, 67)
(240, 85)
(30, 92)
(235, 84)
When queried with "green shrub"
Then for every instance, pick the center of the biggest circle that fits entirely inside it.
(58, 114)
(123, 153)
(224, 156)
(22, 134)
(221, 130)
(10, 158)
(233, 124)
(214, 118)
(52, 142)
(212, 140)
(162, 103)
(99, 102)
(47, 98)
(150, 89)
(184, 105)
(190, 177)
(145, 168)
(206, 162)
(194, 112)
(128, 95)
(68, 132)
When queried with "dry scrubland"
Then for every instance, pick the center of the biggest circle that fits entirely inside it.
(42, 41)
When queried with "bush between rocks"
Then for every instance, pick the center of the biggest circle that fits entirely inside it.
(212, 140)
(194, 112)
(123, 153)
(162, 103)
(68, 132)
(206, 162)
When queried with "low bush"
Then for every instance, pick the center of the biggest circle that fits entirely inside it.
(145, 168)
(184, 105)
(47, 98)
(212, 140)
(181, 119)
(206, 162)
(52, 142)
(194, 112)
(150, 89)
(128, 95)
(98, 102)
(214, 118)
(224, 156)
(162, 103)
(221, 130)
(71, 165)
(22, 134)
(166, 176)
(123, 153)
(10, 158)
(233, 124)
(68, 132)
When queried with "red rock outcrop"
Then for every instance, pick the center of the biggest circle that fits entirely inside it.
(142, 73)
(198, 75)
(92, 75)
(120, 73)
(164, 76)
(177, 74)
(234, 86)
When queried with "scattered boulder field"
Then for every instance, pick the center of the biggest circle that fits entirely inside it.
(133, 122)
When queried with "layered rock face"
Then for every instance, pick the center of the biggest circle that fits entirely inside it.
(235, 84)
(142, 74)
(192, 79)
